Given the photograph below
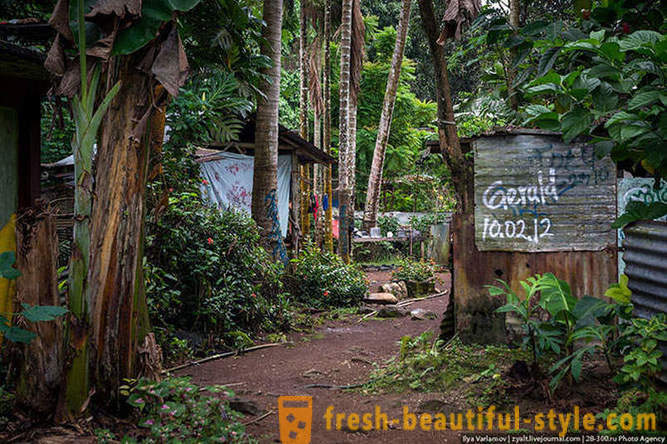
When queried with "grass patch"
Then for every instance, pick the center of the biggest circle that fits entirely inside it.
(426, 364)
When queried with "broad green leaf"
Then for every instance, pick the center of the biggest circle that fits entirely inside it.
(548, 88)
(603, 148)
(556, 295)
(16, 334)
(633, 130)
(644, 98)
(534, 28)
(575, 122)
(7, 260)
(612, 51)
(40, 313)
(620, 292)
(638, 39)
(619, 117)
(605, 98)
(636, 210)
(157, 9)
(603, 70)
(136, 36)
(587, 309)
(547, 60)
(183, 5)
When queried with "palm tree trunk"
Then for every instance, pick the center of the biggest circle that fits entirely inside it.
(450, 147)
(375, 177)
(303, 117)
(265, 174)
(326, 130)
(344, 174)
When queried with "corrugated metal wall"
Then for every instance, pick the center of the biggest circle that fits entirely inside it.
(646, 266)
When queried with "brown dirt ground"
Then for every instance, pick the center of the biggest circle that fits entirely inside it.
(339, 352)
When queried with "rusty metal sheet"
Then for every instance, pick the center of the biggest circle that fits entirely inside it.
(535, 193)
(587, 272)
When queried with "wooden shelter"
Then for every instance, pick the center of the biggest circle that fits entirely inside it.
(541, 205)
(290, 143)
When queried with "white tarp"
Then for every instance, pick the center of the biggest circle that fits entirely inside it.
(229, 183)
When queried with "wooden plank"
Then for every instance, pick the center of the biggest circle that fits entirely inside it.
(535, 193)
(9, 179)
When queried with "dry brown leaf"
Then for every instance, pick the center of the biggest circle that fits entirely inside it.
(60, 19)
(123, 9)
(458, 13)
(55, 60)
(171, 64)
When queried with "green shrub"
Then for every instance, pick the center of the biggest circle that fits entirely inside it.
(388, 223)
(176, 410)
(414, 271)
(206, 272)
(322, 279)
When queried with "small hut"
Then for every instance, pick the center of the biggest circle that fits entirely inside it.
(228, 172)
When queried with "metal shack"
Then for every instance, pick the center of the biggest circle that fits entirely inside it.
(541, 205)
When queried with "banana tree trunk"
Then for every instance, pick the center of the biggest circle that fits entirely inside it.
(265, 182)
(41, 361)
(115, 288)
(375, 177)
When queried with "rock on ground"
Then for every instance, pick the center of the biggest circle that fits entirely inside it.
(381, 298)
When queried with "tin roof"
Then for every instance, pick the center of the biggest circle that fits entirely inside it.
(288, 141)
(434, 144)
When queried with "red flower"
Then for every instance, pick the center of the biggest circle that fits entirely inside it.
(626, 28)
(326, 293)
(171, 190)
(204, 181)
(210, 241)
(253, 295)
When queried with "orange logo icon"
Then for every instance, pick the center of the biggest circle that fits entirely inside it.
(295, 415)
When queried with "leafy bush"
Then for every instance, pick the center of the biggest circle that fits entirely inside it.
(387, 224)
(414, 271)
(322, 279)
(643, 361)
(206, 272)
(423, 223)
(176, 410)
(553, 321)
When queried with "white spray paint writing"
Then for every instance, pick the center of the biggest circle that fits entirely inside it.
(497, 196)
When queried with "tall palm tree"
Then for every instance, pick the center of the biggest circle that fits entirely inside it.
(326, 128)
(303, 115)
(344, 185)
(265, 181)
(375, 177)
(351, 60)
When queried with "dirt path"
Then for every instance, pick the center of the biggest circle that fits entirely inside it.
(340, 352)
